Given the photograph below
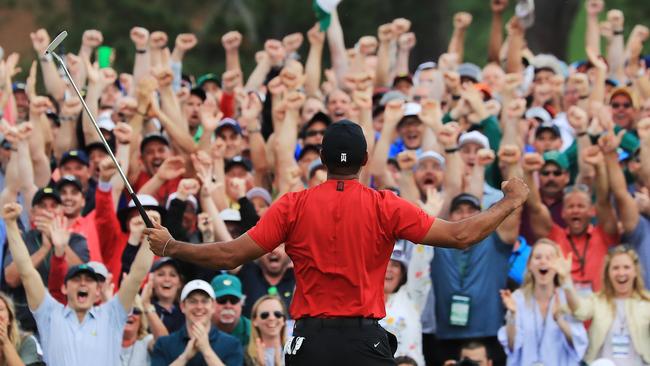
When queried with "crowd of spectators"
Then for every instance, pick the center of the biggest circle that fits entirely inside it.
(561, 282)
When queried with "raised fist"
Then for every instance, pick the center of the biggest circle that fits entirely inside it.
(292, 42)
(407, 160)
(139, 37)
(515, 189)
(231, 40)
(532, 162)
(185, 41)
(462, 20)
(92, 38)
(11, 211)
(509, 154)
(158, 40)
(40, 41)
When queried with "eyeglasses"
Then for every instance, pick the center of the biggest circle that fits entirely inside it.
(312, 133)
(555, 173)
(277, 314)
(616, 105)
(577, 187)
(233, 300)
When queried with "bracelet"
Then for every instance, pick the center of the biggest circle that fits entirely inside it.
(141, 51)
(165, 247)
(452, 150)
(584, 97)
(141, 113)
(67, 118)
(254, 130)
(581, 134)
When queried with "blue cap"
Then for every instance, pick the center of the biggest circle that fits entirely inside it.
(78, 155)
(228, 122)
(226, 284)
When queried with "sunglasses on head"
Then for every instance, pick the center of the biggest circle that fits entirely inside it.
(577, 187)
(555, 173)
(277, 314)
(616, 105)
(312, 133)
(233, 300)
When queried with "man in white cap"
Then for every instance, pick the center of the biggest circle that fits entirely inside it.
(198, 342)
(469, 145)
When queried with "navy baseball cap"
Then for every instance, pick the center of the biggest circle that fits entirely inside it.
(153, 136)
(81, 268)
(467, 199)
(69, 179)
(344, 146)
(238, 161)
(228, 123)
(78, 155)
(44, 193)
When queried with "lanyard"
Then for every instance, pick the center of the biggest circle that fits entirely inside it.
(574, 249)
(463, 263)
(539, 339)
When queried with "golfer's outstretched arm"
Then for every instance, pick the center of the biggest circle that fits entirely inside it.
(462, 234)
(221, 255)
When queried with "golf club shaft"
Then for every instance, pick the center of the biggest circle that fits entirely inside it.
(134, 196)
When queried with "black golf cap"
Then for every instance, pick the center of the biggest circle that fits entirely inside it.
(467, 199)
(344, 147)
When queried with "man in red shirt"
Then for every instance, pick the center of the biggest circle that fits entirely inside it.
(340, 236)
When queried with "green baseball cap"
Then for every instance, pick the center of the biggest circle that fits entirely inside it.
(557, 158)
(226, 284)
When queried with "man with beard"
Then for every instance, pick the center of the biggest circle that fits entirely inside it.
(554, 176)
(587, 243)
(192, 111)
(229, 301)
(271, 274)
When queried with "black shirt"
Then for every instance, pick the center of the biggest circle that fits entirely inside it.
(254, 286)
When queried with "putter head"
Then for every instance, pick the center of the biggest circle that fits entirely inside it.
(56, 42)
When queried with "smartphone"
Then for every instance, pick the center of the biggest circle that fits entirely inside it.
(104, 56)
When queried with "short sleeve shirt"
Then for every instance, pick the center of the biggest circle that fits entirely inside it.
(340, 236)
(639, 239)
(96, 341)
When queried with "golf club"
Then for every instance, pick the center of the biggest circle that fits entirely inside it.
(50, 51)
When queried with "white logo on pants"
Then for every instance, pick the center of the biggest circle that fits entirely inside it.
(344, 157)
(291, 347)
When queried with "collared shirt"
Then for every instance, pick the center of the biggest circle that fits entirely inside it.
(163, 192)
(589, 251)
(242, 331)
(340, 236)
(255, 285)
(173, 320)
(525, 228)
(639, 239)
(96, 341)
(168, 348)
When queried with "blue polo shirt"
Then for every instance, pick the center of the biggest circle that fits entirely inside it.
(168, 348)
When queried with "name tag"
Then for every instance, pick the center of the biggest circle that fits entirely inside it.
(621, 346)
(459, 314)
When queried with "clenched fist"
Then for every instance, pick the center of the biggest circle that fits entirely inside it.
(516, 190)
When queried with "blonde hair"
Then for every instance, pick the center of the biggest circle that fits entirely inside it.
(638, 287)
(13, 332)
(528, 285)
(255, 333)
(144, 323)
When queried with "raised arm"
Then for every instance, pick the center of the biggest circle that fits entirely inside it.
(142, 64)
(231, 42)
(604, 211)
(31, 280)
(515, 43)
(90, 40)
(392, 115)
(139, 270)
(54, 84)
(313, 65)
(462, 21)
(405, 44)
(612, 30)
(455, 234)
(592, 33)
(539, 215)
(496, 29)
(386, 36)
(338, 55)
(98, 80)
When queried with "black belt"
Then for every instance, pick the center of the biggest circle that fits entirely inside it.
(335, 322)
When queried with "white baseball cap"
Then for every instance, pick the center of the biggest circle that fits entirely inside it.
(197, 285)
(474, 137)
(230, 214)
(430, 154)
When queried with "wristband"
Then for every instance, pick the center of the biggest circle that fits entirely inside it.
(452, 150)
(455, 97)
(46, 58)
(581, 134)
(141, 51)
(618, 32)
(67, 118)
(254, 130)
(584, 97)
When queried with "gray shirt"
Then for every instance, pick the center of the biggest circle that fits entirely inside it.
(639, 239)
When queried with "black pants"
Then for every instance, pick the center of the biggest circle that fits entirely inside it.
(348, 342)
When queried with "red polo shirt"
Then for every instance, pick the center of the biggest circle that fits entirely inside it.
(589, 251)
(340, 236)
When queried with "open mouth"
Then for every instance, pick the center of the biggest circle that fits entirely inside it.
(622, 280)
(339, 114)
(543, 271)
(157, 163)
(82, 296)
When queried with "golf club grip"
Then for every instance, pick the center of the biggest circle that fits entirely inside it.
(143, 213)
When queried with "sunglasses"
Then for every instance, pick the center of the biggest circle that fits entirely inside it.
(228, 299)
(619, 105)
(312, 133)
(577, 187)
(135, 311)
(555, 173)
(277, 314)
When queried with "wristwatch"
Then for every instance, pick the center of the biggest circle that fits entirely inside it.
(150, 309)
(46, 58)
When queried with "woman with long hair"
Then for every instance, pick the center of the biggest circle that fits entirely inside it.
(18, 348)
(268, 333)
(137, 342)
(619, 312)
(538, 330)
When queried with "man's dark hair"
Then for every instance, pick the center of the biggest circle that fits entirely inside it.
(405, 360)
(344, 148)
(472, 345)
